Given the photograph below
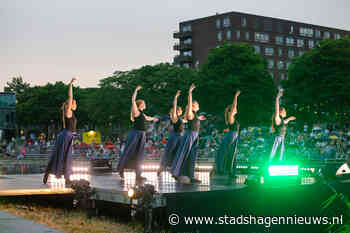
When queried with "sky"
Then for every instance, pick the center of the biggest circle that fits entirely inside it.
(48, 41)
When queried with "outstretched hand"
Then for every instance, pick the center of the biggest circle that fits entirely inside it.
(192, 87)
(280, 93)
(74, 79)
(202, 118)
(292, 118)
(178, 93)
(238, 93)
(138, 88)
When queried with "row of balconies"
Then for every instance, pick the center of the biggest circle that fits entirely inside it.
(182, 46)
(181, 35)
(179, 59)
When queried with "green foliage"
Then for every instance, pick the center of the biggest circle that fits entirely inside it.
(17, 85)
(231, 67)
(319, 82)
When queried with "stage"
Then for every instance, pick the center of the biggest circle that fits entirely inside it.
(214, 196)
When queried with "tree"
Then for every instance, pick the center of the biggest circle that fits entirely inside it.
(319, 82)
(17, 85)
(234, 66)
(160, 83)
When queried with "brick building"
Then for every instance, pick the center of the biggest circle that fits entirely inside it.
(277, 40)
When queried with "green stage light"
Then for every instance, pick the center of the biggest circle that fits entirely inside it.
(283, 170)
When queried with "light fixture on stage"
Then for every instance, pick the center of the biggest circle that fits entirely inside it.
(283, 170)
(80, 172)
(131, 193)
(282, 174)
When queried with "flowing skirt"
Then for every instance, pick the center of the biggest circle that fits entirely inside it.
(134, 151)
(225, 154)
(171, 149)
(61, 158)
(278, 145)
(184, 162)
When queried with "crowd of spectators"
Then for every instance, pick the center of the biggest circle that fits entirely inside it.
(317, 142)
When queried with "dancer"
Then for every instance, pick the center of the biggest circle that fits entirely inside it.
(184, 162)
(225, 154)
(134, 150)
(279, 126)
(61, 158)
(175, 136)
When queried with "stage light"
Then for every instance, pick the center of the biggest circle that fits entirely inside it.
(283, 170)
(131, 193)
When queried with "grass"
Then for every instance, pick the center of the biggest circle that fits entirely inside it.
(69, 221)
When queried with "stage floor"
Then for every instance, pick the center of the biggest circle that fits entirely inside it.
(32, 184)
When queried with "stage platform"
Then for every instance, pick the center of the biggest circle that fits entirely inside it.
(109, 186)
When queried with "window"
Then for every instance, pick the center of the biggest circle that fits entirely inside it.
(218, 23)
(306, 32)
(291, 29)
(269, 51)
(318, 33)
(290, 41)
(279, 39)
(326, 35)
(244, 21)
(301, 53)
(186, 65)
(186, 28)
(238, 34)
(219, 36)
(283, 76)
(247, 35)
(290, 53)
(280, 65)
(188, 53)
(261, 37)
(271, 64)
(288, 64)
(280, 27)
(268, 25)
(300, 43)
(228, 34)
(226, 22)
(257, 24)
(311, 44)
(280, 52)
(257, 49)
(337, 36)
(188, 41)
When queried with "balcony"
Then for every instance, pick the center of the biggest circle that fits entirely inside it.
(180, 35)
(182, 47)
(179, 59)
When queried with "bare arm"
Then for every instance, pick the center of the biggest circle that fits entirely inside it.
(70, 98)
(134, 109)
(174, 115)
(148, 118)
(292, 118)
(277, 108)
(233, 110)
(190, 114)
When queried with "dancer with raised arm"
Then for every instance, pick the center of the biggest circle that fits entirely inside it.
(279, 127)
(175, 136)
(225, 154)
(184, 162)
(134, 150)
(61, 159)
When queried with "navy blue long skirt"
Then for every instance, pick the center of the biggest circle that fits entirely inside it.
(134, 151)
(224, 156)
(184, 162)
(61, 158)
(170, 149)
